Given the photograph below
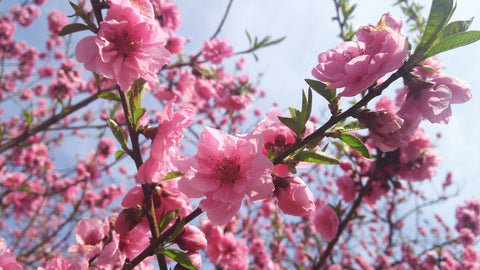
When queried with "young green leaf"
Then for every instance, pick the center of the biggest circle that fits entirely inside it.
(440, 13)
(137, 93)
(179, 256)
(171, 175)
(355, 143)
(352, 126)
(454, 41)
(119, 154)
(167, 218)
(291, 123)
(453, 28)
(319, 87)
(306, 108)
(178, 230)
(72, 28)
(109, 96)
(316, 157)
(137, 114)
(80, 12)
(119, 133)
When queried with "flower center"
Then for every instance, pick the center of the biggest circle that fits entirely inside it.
(226, 169)
(126, 44)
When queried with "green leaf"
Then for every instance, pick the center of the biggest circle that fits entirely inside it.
(316, 157)
(80, 12)
(119, 133)
(179, 256)
(454, 41)
(28, 116)
(440, 13)
(249, 37)
(178, 230)
(306, 108)
(355, 143)
(109, 96)
(137, 114)
(291, 123)
(171, 175)
(167, 218)
(352, 126)
(319, 87)
(72, 28)
(119, 154)
(453, 28)
(137, 93)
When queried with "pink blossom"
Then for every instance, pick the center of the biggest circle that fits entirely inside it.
(228, 252)
(59, 262)
(356, 65)
(7, 258)
(346, 188)
(56, 21)
(7, 28)
(191, 239)
(418, 159)
(294, 197)
(129, 45)
(277, 138)
(164, 149)
(89, 234)
(470, 258)
(175, 44)
(434, 103)
(466, 236)
(215, 50)
(167, 14)
(225, 169)
(326, 222)
(25, 15)
(468, 216)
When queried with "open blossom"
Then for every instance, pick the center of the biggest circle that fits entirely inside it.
(357, 64)
(418, 159)
(129, 45)
(434, 103)
(215, 50)
(228, 251)
(7, 258)
(225, 169)
(326, 222)
(165, 144)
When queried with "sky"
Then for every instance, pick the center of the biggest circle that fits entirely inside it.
(310, 30)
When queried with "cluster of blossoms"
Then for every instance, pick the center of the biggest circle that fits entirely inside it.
(137, 41)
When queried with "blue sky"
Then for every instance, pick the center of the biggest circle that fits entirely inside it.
(309, 30)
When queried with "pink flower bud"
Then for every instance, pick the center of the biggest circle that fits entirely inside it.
(191, 239)
(294, 198)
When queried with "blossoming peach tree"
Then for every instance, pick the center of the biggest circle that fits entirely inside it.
(293, 192)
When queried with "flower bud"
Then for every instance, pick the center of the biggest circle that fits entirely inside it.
(295, 198)
(191, 239)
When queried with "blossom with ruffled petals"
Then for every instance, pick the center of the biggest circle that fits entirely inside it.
(129, 45)
(225, 169)
(357, 64)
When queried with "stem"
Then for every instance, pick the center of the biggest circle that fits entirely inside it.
(342, 226)
(219, 28)
(47, 123)
(150, 250)
(136, 153)
(373, 91)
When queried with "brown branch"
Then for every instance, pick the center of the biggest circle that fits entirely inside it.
(31, 130)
